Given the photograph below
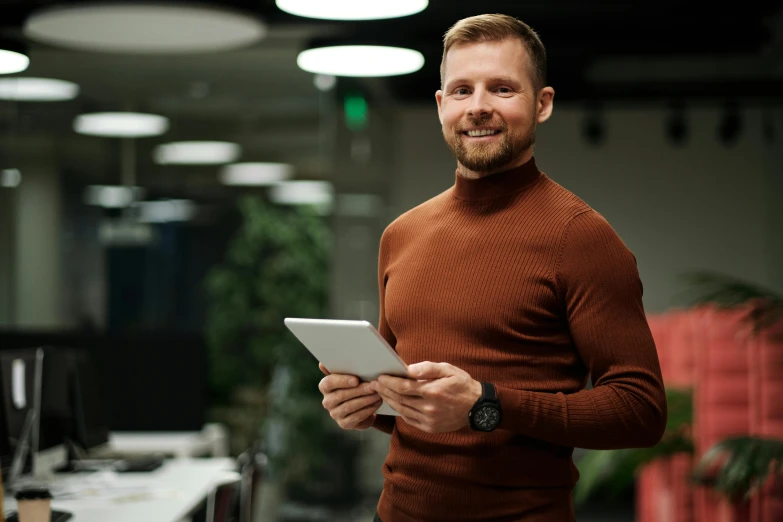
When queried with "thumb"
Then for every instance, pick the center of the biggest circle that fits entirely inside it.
(430, 370)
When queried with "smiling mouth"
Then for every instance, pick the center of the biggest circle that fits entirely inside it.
(481, 132)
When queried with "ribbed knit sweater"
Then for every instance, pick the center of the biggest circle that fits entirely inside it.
(517, 281)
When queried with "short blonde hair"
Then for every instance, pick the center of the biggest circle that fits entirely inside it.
(492, 28)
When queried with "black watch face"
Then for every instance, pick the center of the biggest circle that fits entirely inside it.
(486, 418)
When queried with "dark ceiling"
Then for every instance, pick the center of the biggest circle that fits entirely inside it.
(576, 33)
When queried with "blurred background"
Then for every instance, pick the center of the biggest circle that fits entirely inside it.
(177, 178)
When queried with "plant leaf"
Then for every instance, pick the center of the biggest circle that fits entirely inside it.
(737, 467)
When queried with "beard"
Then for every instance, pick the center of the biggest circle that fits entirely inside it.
(492, 156)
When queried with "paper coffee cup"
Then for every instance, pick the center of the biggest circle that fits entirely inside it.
(34, 505)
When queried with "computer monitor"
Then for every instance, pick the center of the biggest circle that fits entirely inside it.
(90, 428)
(20, 379)
(55, 420)
(54, 391)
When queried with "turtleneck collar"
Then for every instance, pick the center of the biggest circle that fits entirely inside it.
(500, 184)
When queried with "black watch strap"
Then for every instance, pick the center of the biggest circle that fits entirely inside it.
(488, 391)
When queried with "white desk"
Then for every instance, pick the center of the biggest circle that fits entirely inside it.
(211, 441)
(169, 494)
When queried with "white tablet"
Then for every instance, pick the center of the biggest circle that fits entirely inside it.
(349, 347)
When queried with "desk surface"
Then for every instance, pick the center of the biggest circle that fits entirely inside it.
(167, 494)
(184, 444)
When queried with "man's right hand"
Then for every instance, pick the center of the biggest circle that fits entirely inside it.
(350, 403)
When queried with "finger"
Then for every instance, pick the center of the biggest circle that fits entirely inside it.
(400, 385)
(403, 409)
(341, 396)
(347, 408)
(388, 394)
(430, 370)
(366, 423)
(336, 398)
(337, 382)
(358, 417)
(323, 369)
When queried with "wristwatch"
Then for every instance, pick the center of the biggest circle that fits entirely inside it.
(485, 415)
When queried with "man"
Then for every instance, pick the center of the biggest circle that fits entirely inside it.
(502, 294)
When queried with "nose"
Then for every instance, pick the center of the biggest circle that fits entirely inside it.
(480, 105)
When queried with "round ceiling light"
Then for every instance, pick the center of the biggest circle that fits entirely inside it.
(143, 28)
(37, 89)
(10, 178)
(112, 196)
(360, 60)
(121, 124)
(351, 9)
(12, 62)
(255, 174)
(302, 193)
(197, 153)
(165, 211)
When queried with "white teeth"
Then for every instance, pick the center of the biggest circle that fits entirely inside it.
(483, 132)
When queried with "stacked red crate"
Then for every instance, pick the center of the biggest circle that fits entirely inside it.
(737, 380)
(721, 397)
(663, 493)
(766, 414)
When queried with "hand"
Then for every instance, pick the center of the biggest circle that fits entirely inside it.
(351, 404)
(436, 398)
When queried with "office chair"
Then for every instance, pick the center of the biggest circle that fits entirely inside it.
(252, 465)
(222, 497)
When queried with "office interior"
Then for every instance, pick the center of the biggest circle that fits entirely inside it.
(144, 282)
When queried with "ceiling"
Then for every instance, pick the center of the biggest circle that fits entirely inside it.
(258, 96)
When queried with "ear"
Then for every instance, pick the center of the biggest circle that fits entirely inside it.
(439, 100)
(545, 104)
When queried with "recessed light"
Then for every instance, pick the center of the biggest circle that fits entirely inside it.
(360, 60)
(302, 193)
(10, 178)
(37, 89)
(255, 173)
(165, 211)
(12, 62)
(143, 28)
(196, 153)
(112, 196)
(121, 124)
(352, 9)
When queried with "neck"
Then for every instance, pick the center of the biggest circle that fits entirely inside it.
(466, 173)
(499, 185)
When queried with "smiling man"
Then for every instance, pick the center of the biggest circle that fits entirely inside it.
(502, 294)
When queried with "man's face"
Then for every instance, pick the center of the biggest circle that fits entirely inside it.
(488, 106)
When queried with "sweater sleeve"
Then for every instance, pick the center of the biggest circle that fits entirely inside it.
(601, 293)
(384, 423)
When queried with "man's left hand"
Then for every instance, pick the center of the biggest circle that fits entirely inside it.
(436, 398)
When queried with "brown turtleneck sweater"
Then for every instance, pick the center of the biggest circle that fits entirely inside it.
(520, 283)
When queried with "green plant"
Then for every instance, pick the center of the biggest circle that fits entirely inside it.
(276, 266)
(738, 467)
(765, 307)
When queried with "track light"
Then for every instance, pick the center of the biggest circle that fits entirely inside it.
(593, 127)
(676, 126)
(768, 127)
(730, 125)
